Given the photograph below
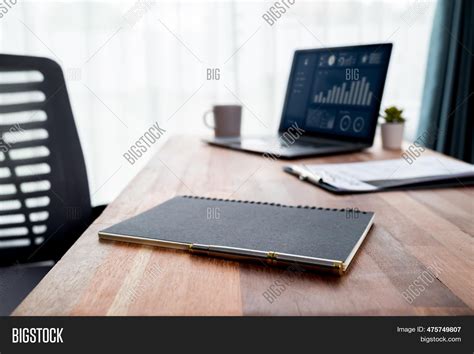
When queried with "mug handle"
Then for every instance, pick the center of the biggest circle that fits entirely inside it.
(204, 118)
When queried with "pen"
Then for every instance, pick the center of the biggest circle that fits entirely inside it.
(311, 176)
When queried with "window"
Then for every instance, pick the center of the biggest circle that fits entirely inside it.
(129, 64)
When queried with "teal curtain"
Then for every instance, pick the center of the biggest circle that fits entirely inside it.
(447, 113)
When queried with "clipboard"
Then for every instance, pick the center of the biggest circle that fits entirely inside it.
(452, 173)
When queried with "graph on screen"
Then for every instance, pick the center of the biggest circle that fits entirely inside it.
(357, 93)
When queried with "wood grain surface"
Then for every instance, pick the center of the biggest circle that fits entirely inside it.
(420, 237)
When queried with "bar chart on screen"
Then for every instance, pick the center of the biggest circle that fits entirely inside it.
(355, 93)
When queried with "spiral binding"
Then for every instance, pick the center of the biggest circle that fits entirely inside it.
(272, 204)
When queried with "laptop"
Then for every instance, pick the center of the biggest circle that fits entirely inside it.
(332, 104)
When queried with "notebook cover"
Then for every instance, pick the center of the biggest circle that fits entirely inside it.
(330, 234)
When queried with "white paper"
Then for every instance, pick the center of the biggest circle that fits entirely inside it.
(339, 180)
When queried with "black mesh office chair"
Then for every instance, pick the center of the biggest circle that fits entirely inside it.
(44, 193)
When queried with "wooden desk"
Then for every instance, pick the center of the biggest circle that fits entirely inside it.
(414, 233)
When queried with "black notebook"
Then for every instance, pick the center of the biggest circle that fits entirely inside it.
(312, 237)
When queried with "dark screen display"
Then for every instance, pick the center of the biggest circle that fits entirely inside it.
(337, 91)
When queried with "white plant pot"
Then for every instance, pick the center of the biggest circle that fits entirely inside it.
(392, 135)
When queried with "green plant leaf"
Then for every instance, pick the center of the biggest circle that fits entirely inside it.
(393, 115)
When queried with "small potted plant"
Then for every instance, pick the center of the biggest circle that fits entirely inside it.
(392, 129)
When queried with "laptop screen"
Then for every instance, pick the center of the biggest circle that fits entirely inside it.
(336, 92)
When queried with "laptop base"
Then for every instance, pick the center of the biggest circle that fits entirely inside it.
(273, 147)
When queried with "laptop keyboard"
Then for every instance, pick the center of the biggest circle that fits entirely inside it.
(281, 144)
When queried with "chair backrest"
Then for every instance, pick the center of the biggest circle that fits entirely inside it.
(44, 192)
